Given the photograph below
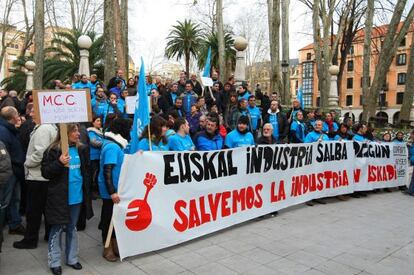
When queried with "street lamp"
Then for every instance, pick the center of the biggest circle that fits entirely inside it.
(240, 44)
(285, 70)
(333, 99)
(84, 42)
(30, 65)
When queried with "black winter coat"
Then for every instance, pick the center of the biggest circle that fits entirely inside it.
(9, 135)
(57, 207)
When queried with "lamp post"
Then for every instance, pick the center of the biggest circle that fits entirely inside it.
(240, 44)
(84, 42)
(333, 99)
(285, 69)
(30, 65)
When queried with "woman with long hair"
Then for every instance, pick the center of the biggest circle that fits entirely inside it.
(112, 156)
(69, 187)
(131, 87)
(158, 129)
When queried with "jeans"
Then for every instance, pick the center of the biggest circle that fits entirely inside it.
(55, 240)
(36, 203)
(10, 203)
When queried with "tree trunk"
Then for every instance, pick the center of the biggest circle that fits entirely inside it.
(220, 38)
(285, 52)
(409, 90)
(388, 49)
(124, 30)
(72, 14)
(4, 29)
(367, 51)
(39, 30)
(273, 8)
(120, 55)
(187, 63)
(321, 66)
(28, 35)
(109, 51)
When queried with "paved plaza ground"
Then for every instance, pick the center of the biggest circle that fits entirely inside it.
(373, 235)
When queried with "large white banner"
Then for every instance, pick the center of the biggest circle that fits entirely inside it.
(171, 197)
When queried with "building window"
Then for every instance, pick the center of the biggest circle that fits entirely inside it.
(307, 100)
(308, 56)
(400, 97)
(361, 100)
(401, 59)
(350, 66)
(382, 100)
(349, 100)
(351, 50)
(369, 81)
(349, 83)
(402, 43)
(401, 78)
(318, 101)
(307, 83)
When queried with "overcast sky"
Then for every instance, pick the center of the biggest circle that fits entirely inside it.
(150, 22)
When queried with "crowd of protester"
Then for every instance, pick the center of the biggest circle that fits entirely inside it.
(184, 116)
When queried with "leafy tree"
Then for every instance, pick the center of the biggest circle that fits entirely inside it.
(17, 80)
(61, 61)
(63, 57)
(211, 40)
(184, 40)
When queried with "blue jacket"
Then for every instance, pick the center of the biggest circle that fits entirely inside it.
(189, 98)
(245, 95)
(116, 91)
(205, 142)
(315, 136)
(149, 87)
(96, 140)
(358, 137)
(325, 127)
(87, 85)
(411, 153)
(297, 131)
(99, 107)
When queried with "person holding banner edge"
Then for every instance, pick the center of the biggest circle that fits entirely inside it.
(69, 186)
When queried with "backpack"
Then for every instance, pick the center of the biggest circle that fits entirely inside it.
(5, 164)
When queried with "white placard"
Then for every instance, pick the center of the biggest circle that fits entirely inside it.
(62, 106)
(131, 102)
(207, 81)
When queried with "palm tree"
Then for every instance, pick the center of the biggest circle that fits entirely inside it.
(184, 41)
(61, 62)
(211, 40)
(17, 80)
(64, 57)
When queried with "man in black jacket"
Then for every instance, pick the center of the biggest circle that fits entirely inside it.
(198, 89)
(113, 81)
(10, 192)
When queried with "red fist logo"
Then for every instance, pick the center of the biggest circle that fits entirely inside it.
(139, 215)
